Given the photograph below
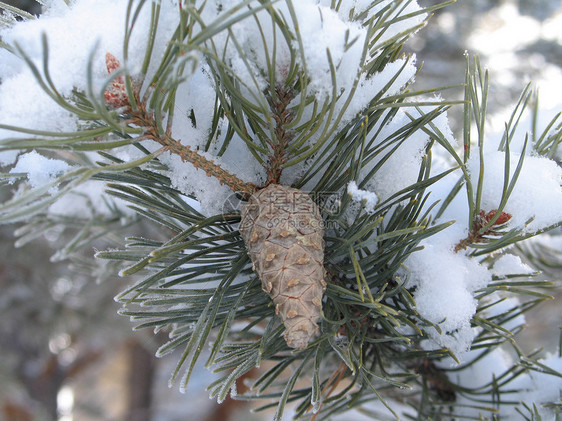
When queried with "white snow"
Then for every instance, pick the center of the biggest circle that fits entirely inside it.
(367, 198)
(401, 169)
(537, 193)
(325, 31)
(445, 282)
(21, 97)
(509, 264)
(39, 169)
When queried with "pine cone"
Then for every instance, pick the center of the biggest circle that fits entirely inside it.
(283, 231)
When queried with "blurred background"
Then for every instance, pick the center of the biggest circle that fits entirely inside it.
(67, 356)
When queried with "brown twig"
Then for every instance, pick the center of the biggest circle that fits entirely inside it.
(282, 116)
(115, 97)
(146, 120)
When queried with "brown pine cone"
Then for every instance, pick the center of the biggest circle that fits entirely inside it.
(283, 232)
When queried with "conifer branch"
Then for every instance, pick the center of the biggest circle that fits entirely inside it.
(116, 96)
(212, 169)
(368, 330)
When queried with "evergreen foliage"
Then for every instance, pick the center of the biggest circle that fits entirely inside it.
(193, 278)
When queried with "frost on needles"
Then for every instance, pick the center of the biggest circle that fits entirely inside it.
(172, 115)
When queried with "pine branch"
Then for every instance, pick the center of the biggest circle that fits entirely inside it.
(195, 279)
(117, 97)
(207, 165)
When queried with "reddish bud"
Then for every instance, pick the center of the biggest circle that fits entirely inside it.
(116, 94)
(502, 219)
(111, 62)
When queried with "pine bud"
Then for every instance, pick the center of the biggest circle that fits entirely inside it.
(283, 232)
(116, 94)
(487, 217)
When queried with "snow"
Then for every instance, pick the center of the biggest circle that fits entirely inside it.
(446, 281)
(39, 169)
(197, 96)
(73, 34)
(20, 97)
(401, 168)
(405, 68)
(326, 31)
(537, 193)
(367, 198)
(444, 284)
(509, 264)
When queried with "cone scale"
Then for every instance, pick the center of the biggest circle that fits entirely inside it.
(283, 232)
